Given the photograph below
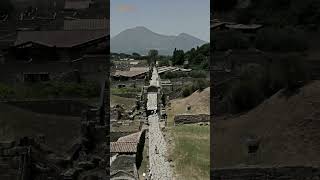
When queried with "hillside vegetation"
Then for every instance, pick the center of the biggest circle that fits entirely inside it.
(287, 128)
(190, 145)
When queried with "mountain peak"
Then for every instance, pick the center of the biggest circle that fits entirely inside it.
(140, 39)
(141, 28)
(184, 34)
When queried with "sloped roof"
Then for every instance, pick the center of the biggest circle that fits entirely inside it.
(135, 137)
(123, 147)
(59, 38)
(130, 73)
(144, 69)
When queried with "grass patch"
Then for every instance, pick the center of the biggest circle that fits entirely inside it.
(190, 150)
(127, 103)
(125, 90)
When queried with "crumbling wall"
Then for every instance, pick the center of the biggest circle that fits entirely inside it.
(272, 173)
(69, 107)
(190, 119)
(14, 161)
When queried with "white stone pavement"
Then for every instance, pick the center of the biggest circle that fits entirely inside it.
(159, 166)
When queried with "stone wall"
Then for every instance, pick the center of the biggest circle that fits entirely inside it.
(89, 67)
(190, 119)
(14, 161)
(272, 173)
(68, 107)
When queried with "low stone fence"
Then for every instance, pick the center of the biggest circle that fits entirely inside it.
(270, 173)
(191, 119)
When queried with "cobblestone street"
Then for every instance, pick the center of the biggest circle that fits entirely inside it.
(159, 166)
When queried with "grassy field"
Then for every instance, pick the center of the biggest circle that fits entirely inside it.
(190, 150)
(125, 90)
(127, 103)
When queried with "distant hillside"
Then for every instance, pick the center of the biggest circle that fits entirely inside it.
(141, 40)
(199, 102)
(288, 129)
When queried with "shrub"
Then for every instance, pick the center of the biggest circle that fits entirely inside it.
(164, 62)
(187, 91)
(200, 85)
(198, 74)
(5, 91)
(171, 75)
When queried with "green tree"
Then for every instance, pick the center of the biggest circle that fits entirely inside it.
(136, 55)
(153, 53)
(199, 59)
(164, 62)
(178, 57)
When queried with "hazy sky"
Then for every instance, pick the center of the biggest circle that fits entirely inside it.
(169, 17)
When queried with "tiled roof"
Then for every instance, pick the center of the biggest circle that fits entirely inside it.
(144, 69)
(59, 38)
(123, 147)
(129, 73)
(166, 69)
(135, 137)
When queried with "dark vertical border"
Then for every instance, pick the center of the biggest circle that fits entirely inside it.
(211, 62)
(107, 93)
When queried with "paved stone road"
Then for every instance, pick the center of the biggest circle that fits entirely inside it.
(159, 166)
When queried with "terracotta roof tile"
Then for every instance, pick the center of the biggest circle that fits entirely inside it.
(123, 147)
